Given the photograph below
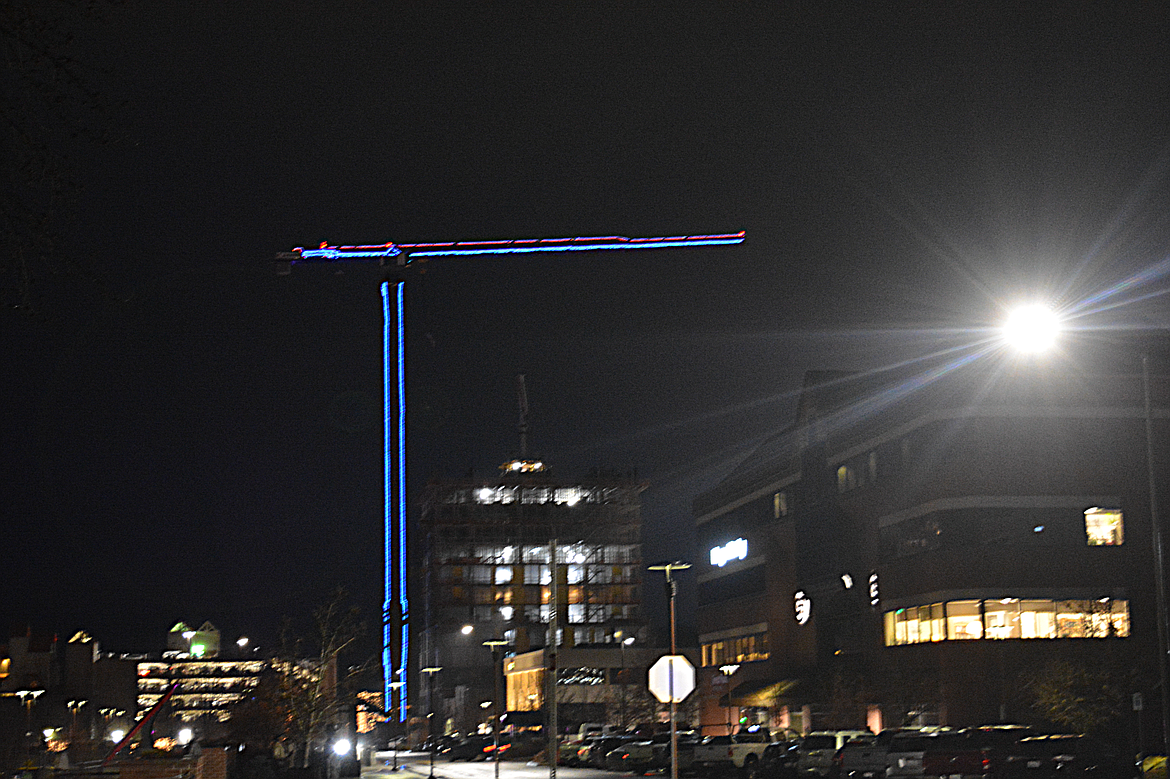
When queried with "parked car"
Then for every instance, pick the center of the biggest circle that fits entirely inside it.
(1060, 755)
(687, 741)
(636, 755)
(816, 752)
(594, 750)
(741, 751)
(437, 743)
(859, 757)
(472, 748)
(779, 759)
(645, 754)
(906, 750)
(567, 752)
(866, 758)
(972, 752)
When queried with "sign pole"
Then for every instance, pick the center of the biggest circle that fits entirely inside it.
(671, 589)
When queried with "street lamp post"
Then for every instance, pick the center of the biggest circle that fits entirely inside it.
(727, 671)
(74, 707)
(622, 677)
(430, 671)
(1035, 329)
(1156, 539)
(28, 698)
(393, 718)
(671, 591)
(495, 645)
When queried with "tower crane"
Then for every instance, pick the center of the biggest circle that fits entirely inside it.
(396, 607)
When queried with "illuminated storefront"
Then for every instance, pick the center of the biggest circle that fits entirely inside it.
(1004, 618)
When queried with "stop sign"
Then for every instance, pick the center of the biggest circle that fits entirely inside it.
(672, 674)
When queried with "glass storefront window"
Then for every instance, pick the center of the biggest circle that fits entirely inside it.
(1037, 619)
(1005, 618)
(963, 620)
(1002, 618)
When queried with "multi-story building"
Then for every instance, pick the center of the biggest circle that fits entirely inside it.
(205, 684)
(486, 574)
(921, 545)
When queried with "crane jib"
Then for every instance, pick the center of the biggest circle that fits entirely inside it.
(327, 253)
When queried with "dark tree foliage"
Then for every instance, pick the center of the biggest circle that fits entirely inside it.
(315, 686)
(1082, 698)
(49, 106)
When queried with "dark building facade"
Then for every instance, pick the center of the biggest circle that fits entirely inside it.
(487, 546)
(919, 546)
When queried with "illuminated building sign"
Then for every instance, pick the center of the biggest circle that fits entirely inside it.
(873, 589)
(803, 607)
(732, 550)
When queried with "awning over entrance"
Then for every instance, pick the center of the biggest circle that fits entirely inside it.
(760, 693)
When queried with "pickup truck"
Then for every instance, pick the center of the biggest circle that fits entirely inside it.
(739, 752)
(896, 752)
(972, 753)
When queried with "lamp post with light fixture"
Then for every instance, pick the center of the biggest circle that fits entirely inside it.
(28, 698)
(74, 706)
(430, 671)
(622, 676)
(396, 738)
(727, 670)
(1159, 562)
(494, 645)
(1034, 329)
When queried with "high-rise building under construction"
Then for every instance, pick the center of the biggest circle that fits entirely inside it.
(486, 574)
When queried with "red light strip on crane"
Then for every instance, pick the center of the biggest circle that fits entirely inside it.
(327, 253)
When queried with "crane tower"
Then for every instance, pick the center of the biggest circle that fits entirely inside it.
(396, 607)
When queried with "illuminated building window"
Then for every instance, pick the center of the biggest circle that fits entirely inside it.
(963, 620)
(1004, 618)
(1104, 527)
(846, 479)
(741, 649)
(504, 574)
(780, 505)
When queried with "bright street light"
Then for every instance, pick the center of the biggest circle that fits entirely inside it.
(1035, 328)
(1032, 329)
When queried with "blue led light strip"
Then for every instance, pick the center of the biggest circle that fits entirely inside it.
(388, 659)
(402, 569)
(329, 253)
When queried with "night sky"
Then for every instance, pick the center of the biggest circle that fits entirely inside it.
(187, 435)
